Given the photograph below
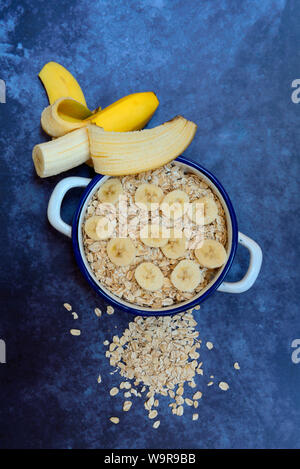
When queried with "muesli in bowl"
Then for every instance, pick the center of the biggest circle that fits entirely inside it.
(157, 238)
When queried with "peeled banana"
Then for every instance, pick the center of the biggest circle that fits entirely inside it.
(61, 154)
(59, 82)
(211, 254)
(149, 276)
(186, 276)
(121, 153)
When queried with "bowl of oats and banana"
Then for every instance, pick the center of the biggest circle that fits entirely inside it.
(158, 242)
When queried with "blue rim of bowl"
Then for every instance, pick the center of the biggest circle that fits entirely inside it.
(177, 309)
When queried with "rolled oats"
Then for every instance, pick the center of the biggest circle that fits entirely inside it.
(120, 281)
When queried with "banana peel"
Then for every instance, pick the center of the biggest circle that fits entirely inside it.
(59, 82)
(114, 153)
(132, 112)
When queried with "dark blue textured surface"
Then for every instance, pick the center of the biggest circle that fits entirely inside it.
(228, 65)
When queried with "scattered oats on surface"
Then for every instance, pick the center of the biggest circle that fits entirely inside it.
(127, 405)
(189, 402)
(224, 386)
(195, 416)
(114, 420)
(209, 345)
(98, 312)
(114, 391)
(152, 414)
(197, 395)
(157, 355)
(99, 379)
(156, 424)
(68, 306)
(75, 315)
(192, 384)
(197, 307)
(236, 366)
(106, 342)
(75, 332)
(110, 310)
(210, 383)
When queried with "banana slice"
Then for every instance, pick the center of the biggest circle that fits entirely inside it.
(148, 194)
(104, 228)
(211, 254)
(121, 251)
(203, 211)
(110, 191)
(149, 276)
(90, 227)
(186, 276)
(155, 236)
(175, 204)
(175, 246)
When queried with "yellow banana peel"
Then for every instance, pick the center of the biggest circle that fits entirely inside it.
(129, 113)
(63, 116)
(59, 82)
(132, 112)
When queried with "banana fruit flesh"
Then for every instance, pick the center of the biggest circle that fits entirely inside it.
(59, 155)
(98, 228)
(203, 211)
(149, 276)
(114, 153)
(122, 153)
(110, 191)
(175, 204)
(175, 246)
(186, 276)
(154, 235)
(147, 195)
(59, 82)
(211, 254)
(121, 251)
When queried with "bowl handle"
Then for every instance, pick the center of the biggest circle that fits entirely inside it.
(56, 199)
(253, 269)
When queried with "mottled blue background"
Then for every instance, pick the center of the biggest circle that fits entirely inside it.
(227, 65)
